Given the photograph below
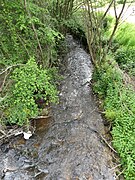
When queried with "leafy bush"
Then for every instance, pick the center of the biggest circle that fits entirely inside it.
(105, 77)
(125, 54)
(126, 59)
(29, 84)
(26, 31)
(118, 100)
(122, 46)
(119, 107)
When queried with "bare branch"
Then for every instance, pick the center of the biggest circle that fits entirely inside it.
(3, 83)
(77, 6)
(107, 143)
(41, 117)
(9, 67)
(124, 4)
(116, 23)
(115, 10)
(127, 9)
(107, 10)
(114, 168)
(22, 41)
(34, 29)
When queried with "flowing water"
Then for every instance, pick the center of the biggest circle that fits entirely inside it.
(68, 145)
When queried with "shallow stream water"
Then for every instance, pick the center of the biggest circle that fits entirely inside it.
(66, 146)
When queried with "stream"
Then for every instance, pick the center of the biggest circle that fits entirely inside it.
(68, 145)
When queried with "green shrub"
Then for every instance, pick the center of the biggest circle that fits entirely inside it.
(126, 59)
(25, 32)
(30, 83)
(119, 107)
(75, 24)
(105, 79)
(118, 101)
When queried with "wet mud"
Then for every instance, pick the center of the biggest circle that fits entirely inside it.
(68, 145)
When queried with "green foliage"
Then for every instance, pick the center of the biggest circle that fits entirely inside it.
(120, 1)
(105, 79)
(126, 35)
(75, 26)
(123, 45)
(107, 23)
(107, 27)
(125, 54)
(126, 59)
(28, 29)
(29, 84)
(123, 34)
(119, 106)
(118, 100)
(10, 51)
(72, 25)
(128, 1)
(61, 9)
(25, 32)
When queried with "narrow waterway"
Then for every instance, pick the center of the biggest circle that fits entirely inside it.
(67, 146)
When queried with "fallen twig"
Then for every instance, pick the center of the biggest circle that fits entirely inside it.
(120, 173)
(107, 143)
(2, 132)
(8, 134)
(115, 167)
(41, 117)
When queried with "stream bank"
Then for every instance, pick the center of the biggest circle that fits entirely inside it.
(67, 146)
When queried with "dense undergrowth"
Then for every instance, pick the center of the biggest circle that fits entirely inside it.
(119, 108)
(118, 98)
(29, 47)
(123, 45)
(30, 84)
(125, 55)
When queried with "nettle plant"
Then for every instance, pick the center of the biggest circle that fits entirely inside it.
(30, 83)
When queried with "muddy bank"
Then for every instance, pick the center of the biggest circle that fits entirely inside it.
(66, 146)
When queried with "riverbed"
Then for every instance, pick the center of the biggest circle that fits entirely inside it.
(67, 145)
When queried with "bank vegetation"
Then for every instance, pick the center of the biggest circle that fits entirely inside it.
(32, 35)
